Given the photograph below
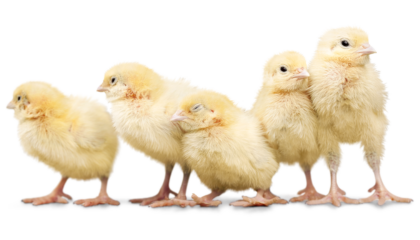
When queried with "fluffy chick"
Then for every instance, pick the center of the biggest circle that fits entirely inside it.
(349, 99)
(285, 110)
(72, 135)
(142, 105)
(227, 149)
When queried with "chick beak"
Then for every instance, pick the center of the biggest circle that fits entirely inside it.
(11, 105)
(177, 117)
(102, 89)
(302, 74)
(366, 49)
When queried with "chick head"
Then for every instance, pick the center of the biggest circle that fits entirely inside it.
(129, 80)
(36, 99)
(205, 109)
(345, 45)
(286, 72)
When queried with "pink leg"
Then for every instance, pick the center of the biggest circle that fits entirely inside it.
(103, 197)
(263, 198)
(309, 193)
(163, 193)
(381, 193)
(334, 196)
(180, 199)
(56, 196)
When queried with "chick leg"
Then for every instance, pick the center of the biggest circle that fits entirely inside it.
(381, 193)
(334, 196)
(309, 193)
(56, 196)
(164, 190)
(180, 199)
(102, 198)
(263, 198)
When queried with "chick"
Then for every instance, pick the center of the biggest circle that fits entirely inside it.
(349, 99)
(227, 149)
(72, 135)
(142, 105)
(285, 110)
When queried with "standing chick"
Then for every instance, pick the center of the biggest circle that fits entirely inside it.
(285, 110)
(72, 135)
(142, 105)
(349, 99)
(227, 149)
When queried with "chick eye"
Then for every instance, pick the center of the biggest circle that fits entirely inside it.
(196, 107)
(345, 43)
(18, 98)
(283, 69)
(113, 79)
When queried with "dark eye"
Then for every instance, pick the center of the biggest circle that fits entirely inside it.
(345, 43)
(19, 98)
(113, 80)
(196, 107)
(283, 69)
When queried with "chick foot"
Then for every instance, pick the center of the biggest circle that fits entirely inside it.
(180, 199)
(310, 194)
(163, 192)
(335, 196)
(382, 194)
(97, 201)
(55, 197)
(206, 201)
(103, 197)
(263, 198)
(50, 198)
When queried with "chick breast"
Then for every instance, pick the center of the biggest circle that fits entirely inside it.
(80, 144)
(291, 126)
(146, 125)
(233, 157)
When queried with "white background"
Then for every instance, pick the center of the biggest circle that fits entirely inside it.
(221, 46)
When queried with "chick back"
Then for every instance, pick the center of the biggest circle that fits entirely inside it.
(233, 157)
(80, 144)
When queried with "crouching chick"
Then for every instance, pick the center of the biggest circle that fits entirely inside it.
(72, 135)
(227, 149)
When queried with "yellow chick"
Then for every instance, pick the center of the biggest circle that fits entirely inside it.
(349, 99)
(285, 110)
(72, 135)
(227, 149)
(142, 105)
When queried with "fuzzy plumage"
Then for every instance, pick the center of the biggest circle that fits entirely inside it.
(224, 144)
(142, 105)
(285, 110)
(72, 135)
(349, 98)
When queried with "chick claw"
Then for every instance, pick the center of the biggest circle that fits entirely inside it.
(382, 195)
(260, 201)
(180, 201)
(335, 198)
(51, 198)
(97, 201)
(309, 194)
(204, 203)
(159, 197)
